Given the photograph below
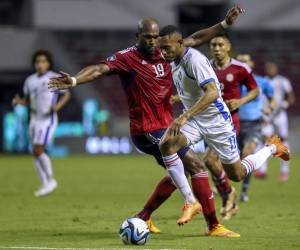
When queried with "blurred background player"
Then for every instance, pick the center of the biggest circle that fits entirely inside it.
(250, 114)
(231, 74)
(284, 98)
(43, 105)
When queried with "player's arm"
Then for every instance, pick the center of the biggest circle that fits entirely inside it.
(18, 100)
(87, 74)
(289, 94)
(62, 102)
(248, 80)
(210, 95)
(203, 36)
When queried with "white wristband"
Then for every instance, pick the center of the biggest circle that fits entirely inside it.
(224, 24)
(74, 81)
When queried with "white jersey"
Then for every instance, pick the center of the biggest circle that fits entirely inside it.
(281, 86)
(189, 76)
(40, 97)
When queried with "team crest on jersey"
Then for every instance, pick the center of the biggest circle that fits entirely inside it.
(229, 77)
(111, 58)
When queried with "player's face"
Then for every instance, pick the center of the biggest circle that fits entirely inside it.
(170, 48)
(148, 41)
(271, 69)
(219, 48)
(41, 64)
(246, 58)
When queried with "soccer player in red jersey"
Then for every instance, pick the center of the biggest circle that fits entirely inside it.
(231, 74)
(147, 81)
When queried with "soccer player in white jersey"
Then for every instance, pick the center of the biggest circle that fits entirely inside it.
(43, 107)
(206, 115)
(284, 97)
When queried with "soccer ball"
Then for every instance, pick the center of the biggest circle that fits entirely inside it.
(134, 231)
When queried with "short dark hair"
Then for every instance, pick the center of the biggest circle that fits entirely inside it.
(169, 30)
(223, 35)
(42, 52)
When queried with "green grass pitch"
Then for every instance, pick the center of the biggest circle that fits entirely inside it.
(96, 193)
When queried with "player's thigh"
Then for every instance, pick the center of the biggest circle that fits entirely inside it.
(43, 131)
(281, 125)
(221, 138)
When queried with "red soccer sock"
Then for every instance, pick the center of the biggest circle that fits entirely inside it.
(162, 192)
(222, 184)
(205, 196)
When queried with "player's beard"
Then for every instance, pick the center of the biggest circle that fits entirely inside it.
(147, 51)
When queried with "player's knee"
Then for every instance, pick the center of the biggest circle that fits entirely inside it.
(37, 150)
(209, 160)
(166, 145)
(193, 164)
(235, 176)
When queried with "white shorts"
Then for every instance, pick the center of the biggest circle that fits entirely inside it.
(41, 131)
(220, 137)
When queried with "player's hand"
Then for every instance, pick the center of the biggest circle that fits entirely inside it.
(233, 104)
(233, 13)
(175, 126)
(174, 99)
(61, 82)
(16, 100)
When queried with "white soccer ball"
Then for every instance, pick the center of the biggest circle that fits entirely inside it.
(134, 231)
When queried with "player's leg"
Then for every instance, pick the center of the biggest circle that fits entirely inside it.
(223, 141)
(43, 133)
(221, 181)
(38, 167)
(165, 187)
(248, 149)
(251, 136)
(281, 126)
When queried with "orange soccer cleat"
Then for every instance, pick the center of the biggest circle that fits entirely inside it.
(282, 151)
(189, 211)
(221, 231)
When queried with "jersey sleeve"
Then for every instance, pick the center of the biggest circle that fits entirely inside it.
(200, 69)
(248, 79)
(267, 88)
(118, 63)
(287, 86)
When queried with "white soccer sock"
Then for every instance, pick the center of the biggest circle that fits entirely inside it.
(175, 169)
(255, 161)
(40, 171)
(46, 165)
(264, 167)
(285, 165)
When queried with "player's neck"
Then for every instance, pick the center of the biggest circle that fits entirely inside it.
(181, 55)
(223, 63)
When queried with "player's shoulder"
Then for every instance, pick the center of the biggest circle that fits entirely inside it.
(52, 73)
(193, 56)
(241, 65)
(127, 51)
(30, 78)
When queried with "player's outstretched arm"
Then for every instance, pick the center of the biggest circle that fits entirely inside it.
(62, 102)
(203, 36)
(87, 74)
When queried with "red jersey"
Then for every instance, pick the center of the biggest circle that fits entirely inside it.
(148, 86)
(231, 78)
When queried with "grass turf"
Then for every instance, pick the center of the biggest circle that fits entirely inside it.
(96, 194)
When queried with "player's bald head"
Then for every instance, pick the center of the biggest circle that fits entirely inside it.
(148, 25)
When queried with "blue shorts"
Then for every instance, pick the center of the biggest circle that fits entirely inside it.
(148, 143)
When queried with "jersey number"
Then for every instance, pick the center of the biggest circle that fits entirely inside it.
(159, 70)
